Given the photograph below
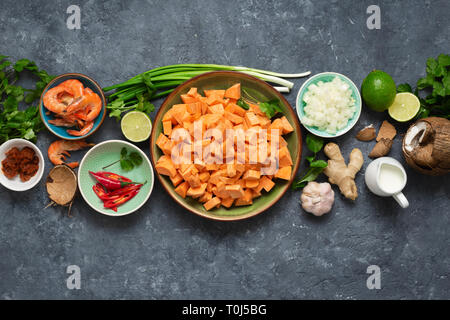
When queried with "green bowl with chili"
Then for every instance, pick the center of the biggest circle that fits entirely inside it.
(103, 154)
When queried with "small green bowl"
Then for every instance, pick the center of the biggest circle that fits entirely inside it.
(263, 92)
(103, 154)
(328, 77)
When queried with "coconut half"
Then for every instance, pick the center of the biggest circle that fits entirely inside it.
(426, 146)
(61, 185)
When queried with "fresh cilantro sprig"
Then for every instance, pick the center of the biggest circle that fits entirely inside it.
(118, 106)
(436, 86)
(271, 108)
(127, 160)
(15, 123)
(314, 144)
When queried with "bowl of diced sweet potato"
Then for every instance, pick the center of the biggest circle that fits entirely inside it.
(226, 145)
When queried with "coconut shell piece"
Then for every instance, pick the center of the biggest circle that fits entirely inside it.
(387, 131)
(366, 134)
(382, 148)
(61, 185)
(426, 146)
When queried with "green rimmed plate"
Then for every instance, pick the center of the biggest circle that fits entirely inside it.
(328, 77)
(257, 88)
(103, 154)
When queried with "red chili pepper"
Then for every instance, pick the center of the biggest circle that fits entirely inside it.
(99, 190)
(102, 194)
(121, 200)
(113, 176)
(111, 184)
(124, 190)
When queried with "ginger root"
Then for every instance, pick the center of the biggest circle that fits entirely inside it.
(341, 174)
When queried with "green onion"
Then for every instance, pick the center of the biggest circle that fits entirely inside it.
(159, 82)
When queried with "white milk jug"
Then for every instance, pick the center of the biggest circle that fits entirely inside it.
(386, 177)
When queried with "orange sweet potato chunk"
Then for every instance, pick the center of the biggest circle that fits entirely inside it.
(212, 203)
(233, 92)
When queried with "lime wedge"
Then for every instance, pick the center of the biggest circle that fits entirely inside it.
(136, 126)
(405, 107)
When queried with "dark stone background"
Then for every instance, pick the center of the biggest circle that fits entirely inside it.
(163, 251)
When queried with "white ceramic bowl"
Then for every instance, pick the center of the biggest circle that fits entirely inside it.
(15, 183)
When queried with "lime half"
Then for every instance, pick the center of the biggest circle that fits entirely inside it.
(136, 126)
(405, 107)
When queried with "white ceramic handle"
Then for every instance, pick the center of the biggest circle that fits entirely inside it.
(401, 199)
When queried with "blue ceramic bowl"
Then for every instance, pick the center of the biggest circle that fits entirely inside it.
(328, 77)
(46, 115)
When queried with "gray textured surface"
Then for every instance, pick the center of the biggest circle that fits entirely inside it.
(165, 252)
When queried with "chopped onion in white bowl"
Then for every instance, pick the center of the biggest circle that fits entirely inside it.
(328, 105)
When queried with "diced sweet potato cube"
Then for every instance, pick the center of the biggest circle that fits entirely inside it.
(194, 108)
(255, 194)
(204, 176)
(257, 110)
(161, 141)
(182, 189)
(206, 197)
(284, 173)
(284, 157)
(198, 191)
(246, 199)
(235, 191)
(192, 92)
(167, 125)
(212, 203)
(231, 170)
(233, 92)
(277, 124)
(219, 93)
(287, 128)
(216, 109)
(234, 118)
(188, 99)
(252, 175)
(194, 180)
(251, 118)
(176, 180)
(166, 168)
(228, 202)
(267, 183)
(251, 183)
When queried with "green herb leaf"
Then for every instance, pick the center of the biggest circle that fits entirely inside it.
(444, 60)
(241, 103)
(311, 175)
(135, 158)
(425, 82)
(314, 143)
(432, 66)
(270, 108)
(123, 152)
(126, 164)
(318, 164)
(310, 159)
(404, 87)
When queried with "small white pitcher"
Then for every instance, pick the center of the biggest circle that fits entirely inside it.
(372, 177)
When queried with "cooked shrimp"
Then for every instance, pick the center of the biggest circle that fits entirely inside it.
(58, 150)
(74, 87)
(52, 101)
(93, 106)
(90, 105)
(62, 122)
(84, 130)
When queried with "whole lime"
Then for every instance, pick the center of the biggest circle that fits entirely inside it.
(378, 90)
